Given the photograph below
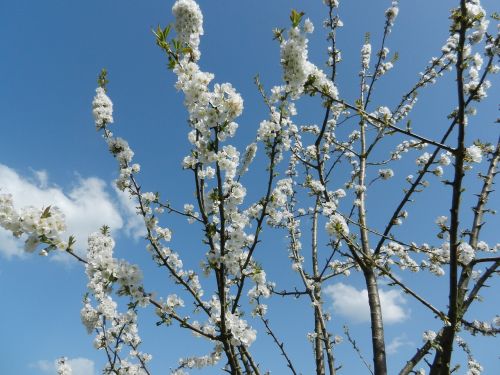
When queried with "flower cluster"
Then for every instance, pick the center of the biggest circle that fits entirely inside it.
(63, 367)
(119, 148)
(113, 328)
(429, 335)
(297, 69)
(474, 367)
(277, 211)
(473, 86)
(39, 225)
(199, 362)
(242, 333)
(392, 12)
(474, 154)
(393, 249)
(261, 289)
(385, 174)
(188, 24)
(103, 270)
(102, 109)
(476, 17)
(250, 152)
(366, 52)
(406, 146)
(337, 226)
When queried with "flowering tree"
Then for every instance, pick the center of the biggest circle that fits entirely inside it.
(316, 193)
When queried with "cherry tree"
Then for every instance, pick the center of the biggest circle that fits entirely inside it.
(319, 183)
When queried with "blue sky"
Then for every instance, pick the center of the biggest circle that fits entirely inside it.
(49, 151)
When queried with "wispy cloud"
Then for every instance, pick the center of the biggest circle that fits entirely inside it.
(134, 226)
(353, 303)
(398, 342)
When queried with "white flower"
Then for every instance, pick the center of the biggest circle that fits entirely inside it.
(438, 171)
(384, 112)
(316, 186)
(429, 335)
(242, 333)
(475, 367)
(332, 3)
(483, 246)
(89, 316)
(308, 26)
(250, 152)
(188, 24)
(392, 12)
(496, 321)
(441, 221)
(337, 226)
(149, 197)
(102, 109)
(46, 224)
(63, 367)
(444, 159)
(296, 68)
(465, 253)
(385, 174)
(366, 52)
(474, 154)
(423, 159)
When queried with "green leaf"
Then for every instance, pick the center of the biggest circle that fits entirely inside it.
(408, 125)
(177, 44)
(102, 79)
(166, 31)
(71, 242)
(158, 33)
(296, 17)
(46, 213)
(395, 57)
(171, 63)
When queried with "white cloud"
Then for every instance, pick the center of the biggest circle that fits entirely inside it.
(9, 245)
(398, 342)
(80, 366)
(353, 303)
(87, 206)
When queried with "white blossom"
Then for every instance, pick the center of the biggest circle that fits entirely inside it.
(366, 52)
(429, 335)
(392, 12)
(188, 24)
(102, 108)
(474, 154)
(386, 174)
(63, 367)
(337, 226)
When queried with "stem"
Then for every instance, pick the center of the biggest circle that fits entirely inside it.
(413, 361)
(279, 344)
(441, 364)
(318, 350)
(377, 324)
